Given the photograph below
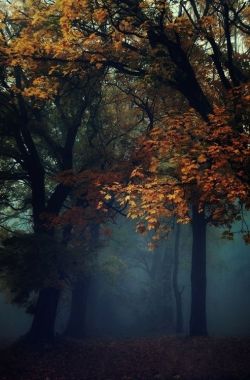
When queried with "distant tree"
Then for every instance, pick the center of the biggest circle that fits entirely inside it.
(178, 292)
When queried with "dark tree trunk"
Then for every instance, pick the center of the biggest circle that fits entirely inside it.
(198, 322)
(76, 323)
(167, 295)
(177, 291)
(43, 325)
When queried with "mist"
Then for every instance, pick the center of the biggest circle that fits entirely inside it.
(131, 292)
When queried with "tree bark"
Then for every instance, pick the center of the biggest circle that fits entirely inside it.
(43, 325)
(198, 321)
(76, 323)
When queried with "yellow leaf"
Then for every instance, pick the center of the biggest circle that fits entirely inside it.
(107, 197)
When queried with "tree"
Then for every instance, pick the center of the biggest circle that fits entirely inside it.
(35, 153)
(206, 167)
(44, 152)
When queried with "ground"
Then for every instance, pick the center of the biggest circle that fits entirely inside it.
(165, 358)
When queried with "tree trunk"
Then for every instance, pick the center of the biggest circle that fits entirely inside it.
(198, 322)
(43, 325)
(167, 295)
(76, 323)
(177, 291)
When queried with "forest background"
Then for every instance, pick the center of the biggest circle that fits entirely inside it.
(112, 109)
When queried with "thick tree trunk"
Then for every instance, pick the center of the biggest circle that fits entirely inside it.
(76, 323)
(177, 291)
(198, 322)
(43, 325)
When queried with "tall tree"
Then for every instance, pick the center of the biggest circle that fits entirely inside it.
(41, 126)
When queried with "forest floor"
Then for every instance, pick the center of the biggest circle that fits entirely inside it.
(165, 358)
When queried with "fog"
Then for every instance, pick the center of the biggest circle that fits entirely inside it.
(131, 293)
(14, 322)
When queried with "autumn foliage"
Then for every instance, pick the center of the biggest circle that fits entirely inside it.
(189, 161)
